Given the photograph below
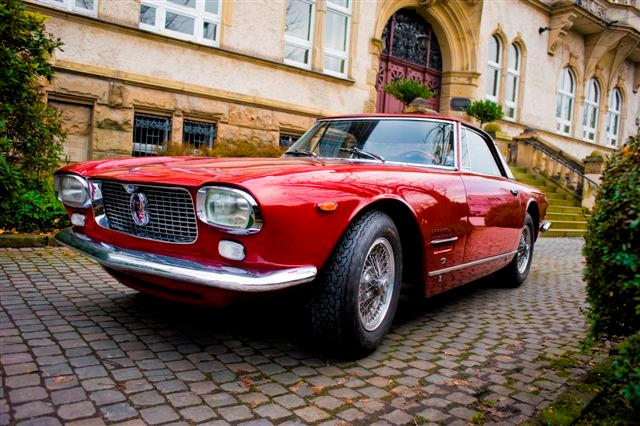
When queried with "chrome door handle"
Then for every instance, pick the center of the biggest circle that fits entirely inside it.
(514, 192)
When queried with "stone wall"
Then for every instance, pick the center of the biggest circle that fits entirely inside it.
(98, 116)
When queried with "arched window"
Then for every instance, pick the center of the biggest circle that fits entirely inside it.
(494, 67)
(513, 78)
(613, 122)
(566, 99)
(590, 116)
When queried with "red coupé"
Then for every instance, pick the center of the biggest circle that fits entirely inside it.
(356, 207)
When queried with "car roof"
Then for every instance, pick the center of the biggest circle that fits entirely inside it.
(403, 115)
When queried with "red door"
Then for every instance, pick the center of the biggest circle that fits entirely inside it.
(411, 50)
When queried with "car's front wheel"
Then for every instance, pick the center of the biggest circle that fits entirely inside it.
(356, 295)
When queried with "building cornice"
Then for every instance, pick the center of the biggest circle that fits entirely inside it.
(184, 88)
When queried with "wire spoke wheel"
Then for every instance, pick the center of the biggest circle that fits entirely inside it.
(524, 249)
(376, 284)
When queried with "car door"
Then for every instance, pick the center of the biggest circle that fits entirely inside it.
(496, 213)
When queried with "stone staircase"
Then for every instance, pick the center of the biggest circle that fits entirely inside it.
(564, 212)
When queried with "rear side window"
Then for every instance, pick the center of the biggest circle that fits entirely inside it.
(476, 154)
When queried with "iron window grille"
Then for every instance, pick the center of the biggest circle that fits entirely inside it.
(288, 139)
(198, 134)
(150, 134)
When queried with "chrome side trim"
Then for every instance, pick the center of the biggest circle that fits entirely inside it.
(470, 264)
(222, 277)
(444, 241)
(545, 225)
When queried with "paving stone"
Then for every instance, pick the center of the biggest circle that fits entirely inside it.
(235, 413)
(398, 417)
(289, 401)
(76, 410)
(66, 396)
(147, 398)
(198, 414)
(433, 415)
(32, 409)
(108, 396)
(272, 411)
(311, 414)
(183, 399)
(118, 412)
(31, 393)
(159, 414)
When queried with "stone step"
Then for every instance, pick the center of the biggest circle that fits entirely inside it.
(566, 224)
(556, 208)
(556, 233)
(558, 217)
(561, 202)
(552, 196)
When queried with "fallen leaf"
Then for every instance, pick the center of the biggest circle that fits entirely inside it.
(246, 382)
(317, 389)
(61, 379)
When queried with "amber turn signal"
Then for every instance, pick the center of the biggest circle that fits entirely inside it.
(327, 206)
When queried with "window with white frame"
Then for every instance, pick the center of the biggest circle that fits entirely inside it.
(192, 20)
(590, 115)
(336, 36)
(613, 122)
(514, 63)
(87, 7)
(565, 101)
(298, 32)
(494, 67)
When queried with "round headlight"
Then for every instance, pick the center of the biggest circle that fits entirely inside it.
(229, 209)
(72, 190)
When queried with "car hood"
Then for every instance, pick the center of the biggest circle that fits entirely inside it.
(197, 171)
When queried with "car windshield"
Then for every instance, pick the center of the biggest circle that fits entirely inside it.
(425, 142)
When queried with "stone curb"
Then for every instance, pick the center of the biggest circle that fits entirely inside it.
(26, 240)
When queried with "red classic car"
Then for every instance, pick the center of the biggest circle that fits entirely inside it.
(356, 207)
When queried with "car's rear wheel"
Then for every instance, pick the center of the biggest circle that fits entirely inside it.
(356, 295)
(516, 272)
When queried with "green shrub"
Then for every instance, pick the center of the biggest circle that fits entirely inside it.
(612, 248)
(626, 369)
(31, 138)
(485, 111)
(406, 90)
(33, 211)
(236, 149)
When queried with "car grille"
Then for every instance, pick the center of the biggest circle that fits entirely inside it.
(171, 213)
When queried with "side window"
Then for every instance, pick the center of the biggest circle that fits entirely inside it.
(476, 154)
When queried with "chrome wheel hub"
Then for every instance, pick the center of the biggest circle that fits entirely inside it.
(524, 250)
(376, 284)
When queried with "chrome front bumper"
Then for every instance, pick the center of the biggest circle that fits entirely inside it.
(222, 277)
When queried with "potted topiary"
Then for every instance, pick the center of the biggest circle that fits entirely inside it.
(406, 90)
(485, 111)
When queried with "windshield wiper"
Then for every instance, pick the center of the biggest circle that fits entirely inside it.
(301, 153)
(363, 153)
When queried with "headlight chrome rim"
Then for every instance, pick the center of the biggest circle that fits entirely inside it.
(256, 217)
(57, 182)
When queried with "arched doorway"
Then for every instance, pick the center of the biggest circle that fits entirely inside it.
(411, 50)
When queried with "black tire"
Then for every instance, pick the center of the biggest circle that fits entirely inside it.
(335, 314)
(512, 275)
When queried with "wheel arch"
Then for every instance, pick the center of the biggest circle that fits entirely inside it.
(411, 236)
(534, 211)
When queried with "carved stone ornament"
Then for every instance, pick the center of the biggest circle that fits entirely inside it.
(559, 26)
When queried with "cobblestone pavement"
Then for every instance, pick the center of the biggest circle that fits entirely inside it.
(79, 348)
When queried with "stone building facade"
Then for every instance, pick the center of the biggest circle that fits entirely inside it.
(134, 74)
